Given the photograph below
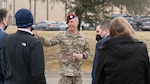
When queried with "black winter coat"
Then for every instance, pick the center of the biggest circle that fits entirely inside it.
(123, 60)
(23, 61)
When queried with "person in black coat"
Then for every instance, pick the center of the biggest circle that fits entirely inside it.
(23, 60)
(122, 59)
(3, 26)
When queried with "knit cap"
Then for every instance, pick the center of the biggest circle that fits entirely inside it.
(24, 18)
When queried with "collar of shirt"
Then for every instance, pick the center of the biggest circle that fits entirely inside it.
(106, 35)
(69, 34)
(2, 29)
(22, 29)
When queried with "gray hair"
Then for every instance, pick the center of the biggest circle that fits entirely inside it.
(77, 19)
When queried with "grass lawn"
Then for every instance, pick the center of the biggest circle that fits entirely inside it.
(52, 53)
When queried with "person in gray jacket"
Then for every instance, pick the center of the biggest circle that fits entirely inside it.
(23, 61)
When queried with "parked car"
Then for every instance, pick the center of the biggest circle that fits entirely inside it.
(84, 26)
(145, 26)
(135, 24)
(119, 15)
(46, 25)
(144, 20)
(62, 25)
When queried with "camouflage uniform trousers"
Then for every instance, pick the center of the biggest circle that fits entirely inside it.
(70, 79)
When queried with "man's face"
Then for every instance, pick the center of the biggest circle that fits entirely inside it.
(72, 24)
(5, 23)
(98, 30)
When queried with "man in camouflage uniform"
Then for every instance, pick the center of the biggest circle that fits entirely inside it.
(74, 48)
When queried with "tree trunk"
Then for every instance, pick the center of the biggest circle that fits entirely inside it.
(121, 7)
(47, 9)
(14, 10)
(65, 9)
(6, 3)
(30, 5)
(0, 3)
(79, 14)
(34, 10)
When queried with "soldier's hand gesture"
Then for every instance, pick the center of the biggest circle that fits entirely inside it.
(78, 56)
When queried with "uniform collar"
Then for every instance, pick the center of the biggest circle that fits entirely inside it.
(106, 36)
(77, 35)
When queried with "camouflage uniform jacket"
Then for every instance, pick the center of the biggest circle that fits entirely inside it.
(70, 45)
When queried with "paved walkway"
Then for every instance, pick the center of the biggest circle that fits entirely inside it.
(53, 77)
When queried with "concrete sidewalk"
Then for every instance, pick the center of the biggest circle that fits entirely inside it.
(53, 77)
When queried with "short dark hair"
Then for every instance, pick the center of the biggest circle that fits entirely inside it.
(104, 24)
(3, 13)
